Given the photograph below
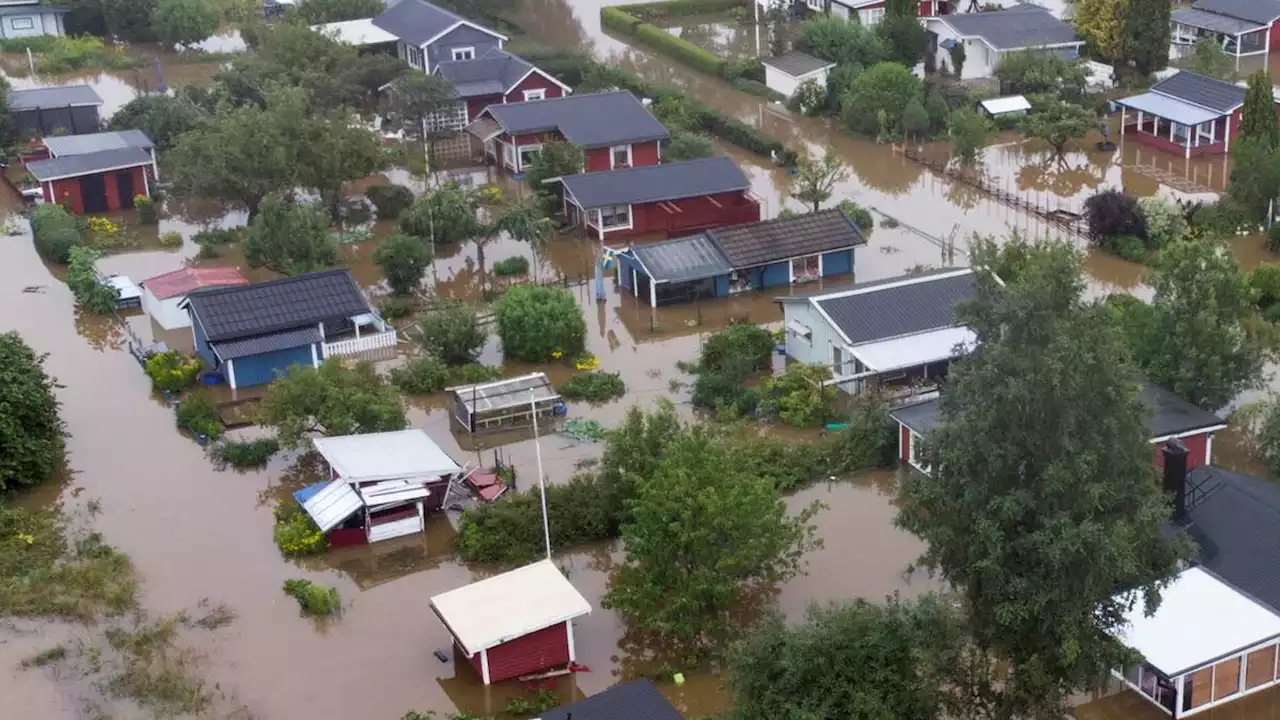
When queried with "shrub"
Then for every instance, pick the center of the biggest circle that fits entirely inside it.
(538, 323)
(859, 215)
(296, 533)
(699, 58)
(886, 87)
(1264, 280)
(218, 236)
(67, 54)
(171, 239)
(1112, 213)
(312, 598)
(31, 432)
(92, 293)
(396, 307)
(1129, 247)
(509, 530)
(514, 265)
(802, 396)
(474, 373)
(452, 333)
(172, 371)
(403, 259)
(55, 233)
(1273, 237)
(724, 392)
(390, 200)
(593, 387)
(1164, 221)
(750, 345)
(246, 455)
(421, 376)
(146, 208)
(198, 414)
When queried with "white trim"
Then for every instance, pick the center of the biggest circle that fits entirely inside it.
(520, 150)
(1208, 450)
(457, 25)
(613, 163)
(315, 356)
(231, 373)
(484, 666)
(468, 49)
(568, 632)
(567, 90)
(631, 220)
(542, 94)
(914, 450)
(1189, 433)
(95, 172)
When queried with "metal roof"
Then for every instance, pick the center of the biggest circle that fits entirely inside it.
(357, 33)
(331, 505)
(782, 238)
(1171, 415)
(635, 700)
(1015, 28)
(682, 259)
(188, 279)
(1214, 22)
(1169, 108)
(798, 64)
(921, 417)
(490, 74)
(61, 146)
(271, 342)
(484, 129)
(385, 456)
(1258, 11)
(55, 96)
(1003, 105)
(1235, 521)
(590, 119)
(1204, 91)
(417, 22)
(903, 306)
(504, 607)
(387, 493)
(499, 394)
(234, 312)
(88, 163)
(914, 350)
(655, 183)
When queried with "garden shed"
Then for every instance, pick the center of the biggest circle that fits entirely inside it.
(69, 109)
(162, 294)
(96, 173)
(504, 404)
(1010, 106)
(786, 73)
(514, 624)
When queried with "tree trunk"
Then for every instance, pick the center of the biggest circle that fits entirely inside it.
(254, 203)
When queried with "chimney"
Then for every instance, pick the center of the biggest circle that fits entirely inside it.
(1175, 477)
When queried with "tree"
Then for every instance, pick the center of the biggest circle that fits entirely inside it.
(330, 74)
(163, 118)
(685, 145)
(1208, 58)
(1255, 175)
(957, 54)
(129, 19)
(537, 322)
(886, 87)
(1042, 508)
(337, 398)
(403, 260)
(525, 222)
(1042, 72)
(915, 120)
(290, 238)
(452, 333)
(1103, 24)
(703, 535)
(904, 37)
(319, 12)
(443, 216)
(939, 112)
(1147, 30)
(55, 233)
(31, 433)
(814, 181)
(556, 159)
(184, 22)
(842, 42)
(1057, 124)
(969, 133)
(1198, 343)
(1258, 116)
(334, 150)
(414, 97)
(390, 200)
(1112, 213)
(1164, 221)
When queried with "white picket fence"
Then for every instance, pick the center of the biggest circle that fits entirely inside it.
(364, 343)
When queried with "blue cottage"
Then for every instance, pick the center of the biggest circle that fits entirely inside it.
(754, 256)
(252, 333)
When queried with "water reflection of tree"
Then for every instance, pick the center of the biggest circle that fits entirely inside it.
(103, 332)
(878, 167)
(553, 22)
(1061, 176)
(307, 469)
(964, 195)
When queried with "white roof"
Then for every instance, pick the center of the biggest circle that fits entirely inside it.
(490, 612)
(1200, 619)
(356, 32)
(912, 350)
(125, 288)
(1170, 108)
(385, 456)
(333, 505)
(392, 492)
(1002, 105)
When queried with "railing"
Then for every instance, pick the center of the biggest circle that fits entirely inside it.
(365, 343)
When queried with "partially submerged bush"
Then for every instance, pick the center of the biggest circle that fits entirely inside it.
(91, 291)
(245, 455)
(172, 371)
(1111, 214)
(396, 307)
(803, 396)
(171, 239)
(314, 599)
(509, 530)
(390, 200)
(593, 387)
(452, 333)
(198, 414)
(55, 233)
(421, 376)
(859, 215)
(296, 533)
(749, 344)
(514, 265)
(539, 323)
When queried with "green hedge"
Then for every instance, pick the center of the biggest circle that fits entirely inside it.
(681, 8)
(680, 49)
(615, 18)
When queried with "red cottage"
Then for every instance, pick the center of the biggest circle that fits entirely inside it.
(498, 77)
(865, 12)
(96, 173)
(671, 198)
(513, 624)
(1187, 114)
(613, 129)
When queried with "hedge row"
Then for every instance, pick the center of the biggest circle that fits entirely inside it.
(681, 8)
(680, 49)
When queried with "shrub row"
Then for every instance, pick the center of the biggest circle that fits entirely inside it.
(650, 12)
(55, 232)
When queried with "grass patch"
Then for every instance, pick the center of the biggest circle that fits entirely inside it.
(596, 387)
(245, 455)
(149, 667)
(314, 599)
(46, 657)
(67, 54)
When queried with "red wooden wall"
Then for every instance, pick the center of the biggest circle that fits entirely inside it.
(533, 82)
(67, 191)
(1197, 451)
(694, 214)
(527, 654)
(904, 443)
(642, 155)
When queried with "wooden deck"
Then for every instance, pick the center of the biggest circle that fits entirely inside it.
(1129, 705)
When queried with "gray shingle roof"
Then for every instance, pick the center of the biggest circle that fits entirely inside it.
(796, 63)
(94, 162)
(1258, 11)
(1213, 21)
(1235, 519)
(636, 700)
(1017, 27)
(654, 183)
(683, 259)
(241, 311)
(61, 146)
(1204, 91)
(28, 9)
(490, 74)
(56, 96)
(782, 238)
(921, 417)
(589, 120)
(259, 344)
(898, 306)
(416, 21)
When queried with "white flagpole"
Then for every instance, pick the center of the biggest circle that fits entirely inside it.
(542, 487)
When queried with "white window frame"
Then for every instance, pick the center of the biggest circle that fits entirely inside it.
(509, 155)
(30, 23)
(838, 360)
(535, 94)
(815, 5)
(613, 156)
(463, 53)
(871, 16)
(614, 210)
(520, 152)
(413, 55)
(804, 260)
(915, 461)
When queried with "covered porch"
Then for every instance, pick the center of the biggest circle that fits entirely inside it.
(1237, 36)
(1174, 126)
(357, 334)
(901, 364)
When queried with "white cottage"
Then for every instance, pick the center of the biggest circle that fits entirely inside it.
(988, 36)
(30, 18)
(786, 73)
(162, 294)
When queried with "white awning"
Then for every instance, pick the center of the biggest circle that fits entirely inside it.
(385, 456)
(1006, 105)
(499, 609)
(1170, 108)
(799, 328)
(1201, 620)
(333, 505)
(392, 492)
(356, 32)
(913, 350)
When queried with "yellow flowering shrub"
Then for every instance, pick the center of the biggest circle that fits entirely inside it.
(586, 361)
(102, 225)
(296, 533)
(172, 371)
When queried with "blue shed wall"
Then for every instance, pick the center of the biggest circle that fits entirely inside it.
(625, 266)
(202, 342)
(778, 273)
(722, 286)
(839, 262)
(262, 369)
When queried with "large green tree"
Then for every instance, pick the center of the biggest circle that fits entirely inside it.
(403, 259)
(334, 150)
(904, 37)
(290, 238)
(129, 19)
(1042, 508)
(1255, 175)
(1258, 116)
(1147, 30)
(317, 12)
(442, 216)
(557, 159)
(840, 41)
(413, 98)
(536, 323)
(1208, 58)
(1042, 72)
(184, 22)
(885, 87)
(163, 118)
(1058, 123)
(1103, 23)
(31, 433)
(451, 332)
(337, 398)
(815, 180)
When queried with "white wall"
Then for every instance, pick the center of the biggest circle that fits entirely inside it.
(165, 312)
(780, 82)
(29, 25)
(980, 60)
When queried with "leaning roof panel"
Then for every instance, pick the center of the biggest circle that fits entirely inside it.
(385, 456)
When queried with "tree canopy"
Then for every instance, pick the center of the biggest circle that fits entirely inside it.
(403, 259)
(1058, 124)
(452, 333)
(163, 118)
(815, 181)
(1208, 58)
(1103, 23)
(184, 22)
(685, 145)
(290, 238)
(31, 433)
(1042, 72)
(442, 216)
(129, 19)
(969, 133)
(1258, 116)
(840, 41)
(414, 97)
(1147, 31)
(319, 12)
(336, 398)
(886, 87)
(536, 322)
(333, 149)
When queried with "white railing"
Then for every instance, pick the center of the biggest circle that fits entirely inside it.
(364, 343)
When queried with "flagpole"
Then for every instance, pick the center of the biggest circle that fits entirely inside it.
(542, 487)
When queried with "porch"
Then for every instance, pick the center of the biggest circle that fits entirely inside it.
(1238, 37)
(357, 335)
(1174, 126)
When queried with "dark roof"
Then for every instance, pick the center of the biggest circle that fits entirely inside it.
(259, 344)
(242, 311)
(88, 163)
(782, 238)
(590, 120)
(898, 306)
(417, 22)
(796, 63)
(60, 146)
(682, 259)
(55, 96)
(30, 8)
(1023, 26)
(1204, 91)
(1213, 21)
(921, 417)
(655, 183)
(1235, 519)
(490, 74)
(1171, 415)
(1258, 11)
(636, 700)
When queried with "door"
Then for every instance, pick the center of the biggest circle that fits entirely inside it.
(125, 189)
(93, 193)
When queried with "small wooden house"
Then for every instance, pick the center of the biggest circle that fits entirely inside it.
(786, 73)
(98, 172)
(162, 295)
(56, 109)
(494, 78)
(635, 700)
(514, 624)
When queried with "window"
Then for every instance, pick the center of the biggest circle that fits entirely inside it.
(508, 155)
(22, 23)
(917, 454)
(815, 5)
(806, 269)
(620, 156)
(838, 360)
(539, 94)
(464, 53)
(872, 16)
(453, 117)
(616, 217)
(413, 56)
(529, 153)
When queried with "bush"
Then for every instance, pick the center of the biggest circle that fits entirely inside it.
(1129, 247)
(650, 12)
(1112, 213)
(859, 215)
(1164, 222)
(802, 396)
(747, 346)
(724, 392)
(538, 323)
(452, 333)
(295, 533)
(172, 371)
(31, 432)
(396, 307)
(246, 455)
(198, 414)
(472, 373)
(171, 239)
(1264, 280)
(593, 387)
(509, 530)
(55, 233)
(514, 265)
(312, 598)
(403, 260)
(146, 208)
(92, 293)
(390, 200)
(421, 376)
(885, 87)
(218, 236)
(66, 54)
